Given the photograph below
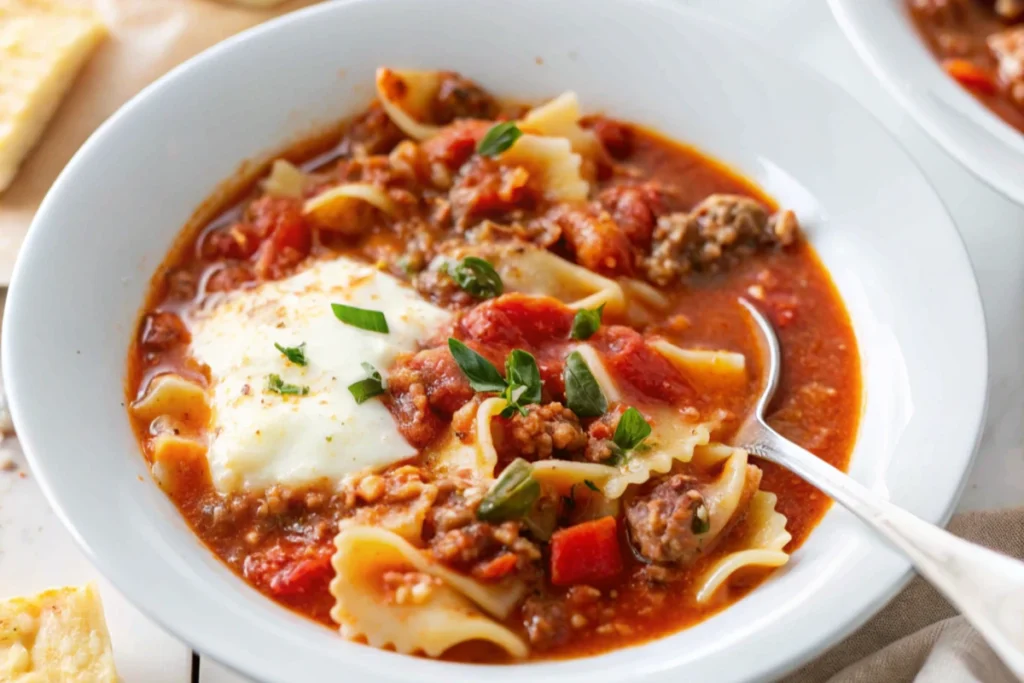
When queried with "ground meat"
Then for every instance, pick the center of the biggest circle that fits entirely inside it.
(635, 208)
(229, 277)
(547, 621)
(600, 446)
(544, 431)
(447, 389)
(593, 237)
(721, 230)
(438, 286)
(182, 284)
(486, 551)
(661, 522)
(461, 98)
(424, 387)
(371, 133)
(162, 330)
(1008, 48)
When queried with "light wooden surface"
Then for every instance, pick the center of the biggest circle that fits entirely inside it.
(35, 551)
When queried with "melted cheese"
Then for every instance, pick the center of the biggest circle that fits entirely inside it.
(260, 438)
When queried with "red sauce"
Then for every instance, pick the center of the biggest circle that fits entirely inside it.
(281, 542)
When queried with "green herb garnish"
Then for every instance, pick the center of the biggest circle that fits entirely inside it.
(363, 318)
(296, 354)
(520, 387)
(631, 430)
(500, 137)
(512, 496)
(478, 370)
(278, 386)
(586, 322)
(590, 485)
(583, 394)
(524, 383)
(365, 389)
(477, 277)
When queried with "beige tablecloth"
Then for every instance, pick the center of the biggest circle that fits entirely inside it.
(919, 637)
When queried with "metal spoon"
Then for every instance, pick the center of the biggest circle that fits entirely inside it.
(987, 588)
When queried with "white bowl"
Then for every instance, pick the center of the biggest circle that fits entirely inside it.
(116, 209)
(885, 37)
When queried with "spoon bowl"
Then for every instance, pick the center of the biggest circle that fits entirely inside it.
(987, 587)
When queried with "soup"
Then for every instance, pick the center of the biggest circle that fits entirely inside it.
(461, 382)
(981, 44)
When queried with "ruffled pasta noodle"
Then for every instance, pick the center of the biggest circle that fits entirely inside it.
(285, 180)
(537, 271)
(479, 456)
(553, 161)
(334, 209)
(560, 118)
(403, 519)
(406, 96)
(442, 609)
(173, 396)
(719, 365)
(762, 545)
(672, 440)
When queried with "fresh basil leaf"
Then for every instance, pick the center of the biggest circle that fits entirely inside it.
(521, 371)
(296, 354)
(586, 322)
(278, 386)
(365, 389)
(500, 137)
(631, 430)
(478, 370)
(583, 394)
(512, 496)
(511, 409)
(363, 318)
(477, 277)
(591, 485)
(700, 523)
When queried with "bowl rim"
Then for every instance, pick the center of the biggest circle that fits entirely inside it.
(922, 103)
(797, 654)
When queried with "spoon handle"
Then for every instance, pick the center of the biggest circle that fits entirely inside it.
(985, 586)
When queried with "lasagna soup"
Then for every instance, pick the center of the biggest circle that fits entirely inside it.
(462, 382)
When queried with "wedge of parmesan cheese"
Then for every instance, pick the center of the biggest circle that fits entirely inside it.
(43, 45)
(58, 635)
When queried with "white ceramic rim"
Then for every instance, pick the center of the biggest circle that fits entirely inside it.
(886, 40)
(771, 657)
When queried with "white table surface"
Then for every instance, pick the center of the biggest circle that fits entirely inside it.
(37, 552)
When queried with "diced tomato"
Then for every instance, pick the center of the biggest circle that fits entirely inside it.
(586, 553)
(970, 75)
(518, 320)
(454, 145)
(629, 358)
(237, 241)
(288, 570)
(288, 236)
(498, 568)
